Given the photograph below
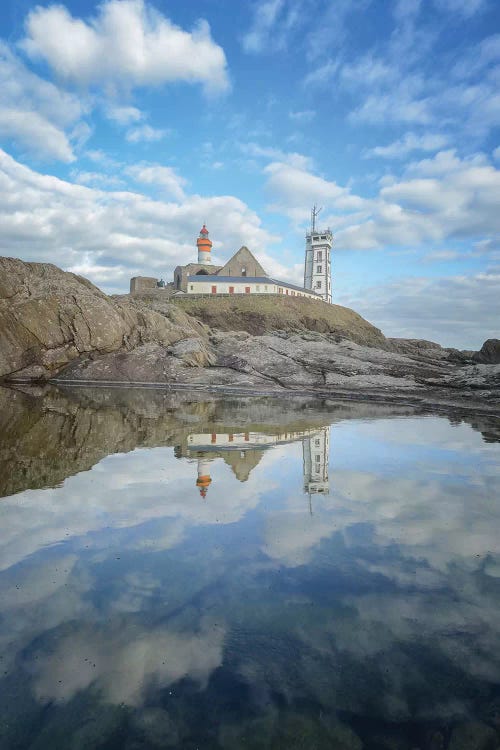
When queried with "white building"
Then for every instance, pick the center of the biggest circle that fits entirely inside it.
(241, 274)
(317, 266)
(316, 458)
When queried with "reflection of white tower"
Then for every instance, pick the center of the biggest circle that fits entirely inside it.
(316, 451)
(317, 267)
(204, 479)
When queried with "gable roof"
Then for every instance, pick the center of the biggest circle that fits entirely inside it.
(243, 258)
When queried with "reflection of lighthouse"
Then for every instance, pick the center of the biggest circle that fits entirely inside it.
(204, 478)
(316, 451)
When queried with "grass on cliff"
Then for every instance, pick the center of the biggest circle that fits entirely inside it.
(259, 314)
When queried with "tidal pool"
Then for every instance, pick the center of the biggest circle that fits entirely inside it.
(192, 571)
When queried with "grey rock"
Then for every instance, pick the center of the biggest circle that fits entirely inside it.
(489, 352)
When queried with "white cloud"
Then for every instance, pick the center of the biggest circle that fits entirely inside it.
(256, 151)
(294, 189)
(408, 143)
(273, 22)
(96, 178)
(145, 133)
(303, 116)
(465, 8)
(128, 43)
(459, 311)
(435, 200)
(115, 234)
(36, 115)
(124, 115)
(28, 129)
(156, 174)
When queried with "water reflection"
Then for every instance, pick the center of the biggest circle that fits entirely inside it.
(243, 451)
(165, 584)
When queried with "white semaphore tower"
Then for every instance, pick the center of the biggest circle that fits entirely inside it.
(316, 458)
(317, 265)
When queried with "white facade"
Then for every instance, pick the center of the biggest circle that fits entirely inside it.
(317, 266)
(244, 285)
(205, 441)
(316, 455)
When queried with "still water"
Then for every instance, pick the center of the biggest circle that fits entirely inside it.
(188, 571)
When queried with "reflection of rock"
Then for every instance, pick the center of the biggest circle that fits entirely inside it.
(473, 735)
(49, 434)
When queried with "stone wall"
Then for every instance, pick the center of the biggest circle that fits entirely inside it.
(142, 284)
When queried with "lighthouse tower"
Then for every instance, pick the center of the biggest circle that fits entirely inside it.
(204, 247)
(204, 479)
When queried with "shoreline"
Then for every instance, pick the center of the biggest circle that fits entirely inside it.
(435, 400)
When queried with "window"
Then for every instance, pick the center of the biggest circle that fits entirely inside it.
(243, 271)
(286, 291)
(318, 285)
(323, 236)
(319, 255)
(247, 290)
(214, 290)
(191, 287)
(317, 458)
(231, 290)
(265, 287)
(319, 269)
(317, 442)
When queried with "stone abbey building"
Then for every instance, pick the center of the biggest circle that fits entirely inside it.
(243, 274)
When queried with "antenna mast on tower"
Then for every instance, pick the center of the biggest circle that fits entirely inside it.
(314, 213)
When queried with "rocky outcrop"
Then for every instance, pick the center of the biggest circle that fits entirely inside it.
(49, 318)
(54, 323)
(263, 314)
(489, 354)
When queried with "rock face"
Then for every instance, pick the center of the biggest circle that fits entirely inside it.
(54, 323)
(259, 315)
(489, 354)
(49, 318)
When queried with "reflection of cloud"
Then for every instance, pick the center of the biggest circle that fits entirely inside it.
(108, 497)
(123, 662)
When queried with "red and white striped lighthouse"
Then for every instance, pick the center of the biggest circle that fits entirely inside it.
(204, 247)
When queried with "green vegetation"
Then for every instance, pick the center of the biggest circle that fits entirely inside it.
(259, 314)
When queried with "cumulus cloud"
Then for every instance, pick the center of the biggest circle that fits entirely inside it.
(37, 115)
(124, 115)
(460, 311)
(273, 22)
(165, 177)
(464, 8)
(436, 199)
(408, 143)
(145, 133)
(114, 234)
(128, 43)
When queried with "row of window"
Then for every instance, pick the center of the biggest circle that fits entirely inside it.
(281, 290)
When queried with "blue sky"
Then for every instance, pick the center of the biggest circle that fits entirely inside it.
(125, 125)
